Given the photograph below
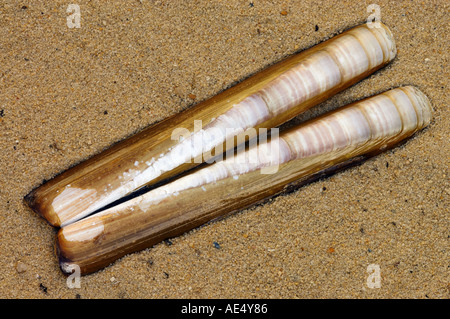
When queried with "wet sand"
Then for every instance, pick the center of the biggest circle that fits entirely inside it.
(69, 93)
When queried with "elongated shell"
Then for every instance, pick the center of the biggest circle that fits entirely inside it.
(266, 100)
(323, 144)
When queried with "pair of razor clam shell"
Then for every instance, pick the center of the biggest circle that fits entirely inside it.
(264, 100)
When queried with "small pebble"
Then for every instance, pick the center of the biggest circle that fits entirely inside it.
(216, 245)
(21, 267)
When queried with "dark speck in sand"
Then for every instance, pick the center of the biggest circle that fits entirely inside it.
(43, 288)
(216, 245)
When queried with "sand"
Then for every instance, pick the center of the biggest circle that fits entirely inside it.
(68, 93)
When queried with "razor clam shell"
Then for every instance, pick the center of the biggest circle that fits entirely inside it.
(320, 145)
(266, 99)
